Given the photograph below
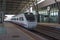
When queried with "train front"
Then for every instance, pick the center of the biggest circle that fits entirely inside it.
(31, 20)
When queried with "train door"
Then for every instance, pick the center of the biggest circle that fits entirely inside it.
(21, 21)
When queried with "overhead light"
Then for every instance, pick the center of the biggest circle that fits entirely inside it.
(8, 17)
(31, 9)
(39, 2)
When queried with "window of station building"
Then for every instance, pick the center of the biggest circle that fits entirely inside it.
(43, 15)
(54, 14)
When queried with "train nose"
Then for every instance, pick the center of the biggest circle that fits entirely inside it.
(32, 25)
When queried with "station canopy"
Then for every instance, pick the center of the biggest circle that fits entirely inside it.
(13, 6)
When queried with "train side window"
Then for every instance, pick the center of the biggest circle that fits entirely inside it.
(13, 19)
(21, 19)
(16, 18)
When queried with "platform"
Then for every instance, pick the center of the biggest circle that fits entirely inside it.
(50, 29)
(55, 25)
(9, 31)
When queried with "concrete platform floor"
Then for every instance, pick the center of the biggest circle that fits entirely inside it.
(9, 31)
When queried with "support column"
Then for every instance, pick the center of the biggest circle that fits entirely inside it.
(58, 5)
(1, 16)
(3, 10)
(37, 12)
(59, 13)
(59, 16)
(48, 10)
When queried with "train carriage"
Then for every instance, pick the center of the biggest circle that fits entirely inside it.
(27, 20)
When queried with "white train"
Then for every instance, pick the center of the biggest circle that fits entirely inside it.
(27, 20)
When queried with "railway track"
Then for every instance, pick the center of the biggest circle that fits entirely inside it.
(49, 31)
(43, 35)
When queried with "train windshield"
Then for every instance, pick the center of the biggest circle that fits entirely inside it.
(30, 17)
